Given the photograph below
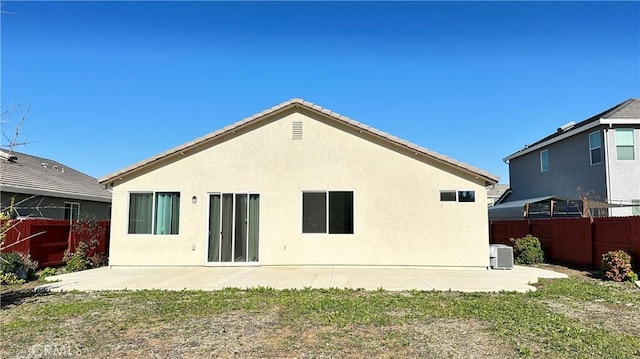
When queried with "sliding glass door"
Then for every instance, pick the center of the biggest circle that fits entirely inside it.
(234, 226)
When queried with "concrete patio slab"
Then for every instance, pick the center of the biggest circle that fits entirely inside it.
(369, 278)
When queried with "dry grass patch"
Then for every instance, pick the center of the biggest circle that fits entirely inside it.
(566, 318)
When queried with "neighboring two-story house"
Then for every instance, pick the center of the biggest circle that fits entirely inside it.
(598, 158)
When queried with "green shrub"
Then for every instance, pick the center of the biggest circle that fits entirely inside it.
(527, 250)
(47, 272)
(86, 234)
(616, 266)
(10, 278)
(10, 262)
(78, 260)
(19, 264)
(29, 265)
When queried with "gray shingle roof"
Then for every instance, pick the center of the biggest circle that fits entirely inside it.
(296, 102)
(629, 109)
(37, 175)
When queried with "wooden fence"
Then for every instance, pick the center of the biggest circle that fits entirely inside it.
(579, 242)
(47, 239)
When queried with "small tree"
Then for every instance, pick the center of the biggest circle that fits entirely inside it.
(85, 237)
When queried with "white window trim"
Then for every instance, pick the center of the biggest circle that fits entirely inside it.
(466, 190)
(633, 137)
(233, 232)
(455, 192)
(327, 211)
(591, 148)
(541, 162)
(153, 213)
(71, 217)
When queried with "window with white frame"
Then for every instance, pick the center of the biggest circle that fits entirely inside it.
(157, 213)
(448, 196)
(544, 161)
(595, 147)
(71, 211)
(625, 144)
(466, 196)
(327, 212)
(457, 196)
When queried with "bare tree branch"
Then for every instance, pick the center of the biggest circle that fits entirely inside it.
(14, 142)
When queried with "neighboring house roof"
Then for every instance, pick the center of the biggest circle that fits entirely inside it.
(627, 112)
(516, 209)
(521, 203)
(299, 103)
(22, 173)
(497, 190)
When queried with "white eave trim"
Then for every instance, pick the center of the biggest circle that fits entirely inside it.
(40, 192)
(621, 121)
(617, 121)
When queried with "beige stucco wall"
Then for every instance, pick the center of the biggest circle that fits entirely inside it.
(398, 217)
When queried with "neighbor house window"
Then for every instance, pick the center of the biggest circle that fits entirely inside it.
(71, 211)
(544, 161)
(448, 196)
(625, 144)
(332, 211)
(157, 213)
(595, 147)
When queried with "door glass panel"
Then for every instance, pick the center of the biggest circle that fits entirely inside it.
(233, 227)
(214, 228)
(227, 227)
(240, 245)
(254, 226)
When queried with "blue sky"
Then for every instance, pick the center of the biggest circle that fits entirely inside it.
(113, 83)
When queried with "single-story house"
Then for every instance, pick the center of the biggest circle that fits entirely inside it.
(37, 187)
(298, 184)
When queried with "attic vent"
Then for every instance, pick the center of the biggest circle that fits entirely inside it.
(296, 130)
(44, 164)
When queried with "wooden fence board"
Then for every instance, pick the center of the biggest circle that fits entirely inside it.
(574, 241)
(49, 246)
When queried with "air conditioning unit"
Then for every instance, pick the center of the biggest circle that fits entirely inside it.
(501, 256)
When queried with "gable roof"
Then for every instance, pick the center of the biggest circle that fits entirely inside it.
(23, 173)
(623, 112)
(300, 103)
